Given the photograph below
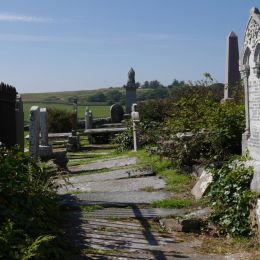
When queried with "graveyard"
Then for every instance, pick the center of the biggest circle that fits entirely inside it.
(162, 177)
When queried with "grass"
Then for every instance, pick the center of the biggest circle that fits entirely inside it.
(92, 251)
(98, 111)
(173, 203)
(176, 180)
(90, 208)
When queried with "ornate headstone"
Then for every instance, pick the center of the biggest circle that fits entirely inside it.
(232, 75)
(250, 73)
(117, 113)
(34, 129)
(130, 91)
(45, 150)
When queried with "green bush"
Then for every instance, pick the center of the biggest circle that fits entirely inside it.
(125, 139)
(231, 197)
(29, 211)
(215, 130)
(59, 121)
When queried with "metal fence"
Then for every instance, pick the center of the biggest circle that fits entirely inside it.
(7, 115)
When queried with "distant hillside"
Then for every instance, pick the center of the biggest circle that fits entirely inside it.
(106, 96)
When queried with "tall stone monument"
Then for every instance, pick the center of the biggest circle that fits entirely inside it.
(232, 75)
(250, 73)
(130, 91)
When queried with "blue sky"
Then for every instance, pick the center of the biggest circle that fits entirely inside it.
(56, 45)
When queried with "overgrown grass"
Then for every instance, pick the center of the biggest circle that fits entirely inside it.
(90, 208)
(98, 111)
(173, 203)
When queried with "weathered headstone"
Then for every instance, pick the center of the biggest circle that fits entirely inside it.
(45, 150)
(130, 91)
(232, 75)
(34, 129)
(73, 144)
(117, 113)
(202, 184)
(250, 73)
(19, 122)
(136, 120)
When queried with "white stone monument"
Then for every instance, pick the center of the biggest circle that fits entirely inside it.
(45, 150)
(136, 120)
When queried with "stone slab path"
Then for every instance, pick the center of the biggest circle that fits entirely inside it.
(123, 229)
(104, 164)
(114, 198)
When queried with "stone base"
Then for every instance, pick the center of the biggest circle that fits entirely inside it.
(226, 100)
(73, 144)
(45, 151)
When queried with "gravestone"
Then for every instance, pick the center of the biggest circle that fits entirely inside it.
(232, 75)
(19, 122)
(130, 91)
(73, 144)
(136, 120)
(45, 150)
(117, 113)
(250, 73)
(34, 128)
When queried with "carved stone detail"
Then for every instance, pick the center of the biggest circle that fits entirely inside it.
(252, 33)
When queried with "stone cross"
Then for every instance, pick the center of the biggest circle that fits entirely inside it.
(136, 120)
(232, 75)
(19, 121)
(34, 129)
(130, 91)
(45, 150)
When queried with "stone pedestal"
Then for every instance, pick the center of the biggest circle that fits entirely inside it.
(73, 144)
(45, 151)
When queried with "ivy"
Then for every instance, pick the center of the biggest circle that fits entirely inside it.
(231, 197)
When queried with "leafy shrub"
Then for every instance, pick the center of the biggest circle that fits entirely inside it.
(214, 130)
(29, 212)
(125, 140)
(231, 197)
(59, 121)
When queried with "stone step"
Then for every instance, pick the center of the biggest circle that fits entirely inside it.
(113, 198)
(104, 176)
(121, 185)
(104, 164)
(135, 212)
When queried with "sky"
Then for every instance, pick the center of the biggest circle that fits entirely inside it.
(60, 45)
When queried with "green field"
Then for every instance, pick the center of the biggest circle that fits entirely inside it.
(98, 111)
